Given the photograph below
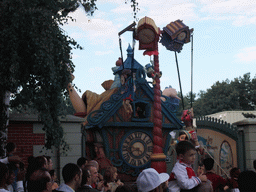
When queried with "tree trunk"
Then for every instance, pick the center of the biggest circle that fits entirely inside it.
(4, 119)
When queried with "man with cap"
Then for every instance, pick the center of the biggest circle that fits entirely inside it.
(150, 180)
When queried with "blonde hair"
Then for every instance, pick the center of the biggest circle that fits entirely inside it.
(109, 174)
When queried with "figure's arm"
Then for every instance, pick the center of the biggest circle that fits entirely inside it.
(75, 99)
(192, 113)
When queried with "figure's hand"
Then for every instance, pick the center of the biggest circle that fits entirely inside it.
(100, 177)
(100, 185)
(119, 183)
(106, 188)
(202, 177)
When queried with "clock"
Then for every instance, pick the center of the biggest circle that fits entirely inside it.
(146, 36)
(182, 36)
(136, 149)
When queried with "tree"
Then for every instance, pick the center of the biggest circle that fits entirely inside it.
(238, 94)
(244, 86)
(35, 59)
(187, 103)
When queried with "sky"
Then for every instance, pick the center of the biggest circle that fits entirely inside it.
(224, 42)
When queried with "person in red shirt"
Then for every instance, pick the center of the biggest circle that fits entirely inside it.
(218, 182)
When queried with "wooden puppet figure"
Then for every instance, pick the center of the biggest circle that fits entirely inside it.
(127, 89)
(187, 118)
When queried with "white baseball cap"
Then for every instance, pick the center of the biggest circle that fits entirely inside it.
(150, 179)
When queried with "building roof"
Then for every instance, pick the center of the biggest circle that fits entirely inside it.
(23, 117)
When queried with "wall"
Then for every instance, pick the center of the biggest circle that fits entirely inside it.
(21, 133)
(248, 128)
(26, 132)
(230, 116)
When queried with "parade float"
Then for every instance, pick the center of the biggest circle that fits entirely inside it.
(128, 125)
(133, 125)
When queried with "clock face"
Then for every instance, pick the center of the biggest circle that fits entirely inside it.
(136, 149)
(182, 36)
(146, 36)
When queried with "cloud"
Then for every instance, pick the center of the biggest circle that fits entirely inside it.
(98, 30)
(163, 12)
(240, 12)
(247, 55)
(122, 9)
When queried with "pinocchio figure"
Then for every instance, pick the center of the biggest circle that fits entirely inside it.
(187, 118)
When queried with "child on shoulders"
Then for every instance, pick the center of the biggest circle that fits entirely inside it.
(183, 177)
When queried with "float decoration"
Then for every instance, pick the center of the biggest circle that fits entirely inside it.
(147, 33)
(175, 35)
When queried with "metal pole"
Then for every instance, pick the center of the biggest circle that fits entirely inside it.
(179, 79)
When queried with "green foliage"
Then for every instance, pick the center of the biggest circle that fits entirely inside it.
(35, 57)
(134, 6)
(238, 94)
(35, 60)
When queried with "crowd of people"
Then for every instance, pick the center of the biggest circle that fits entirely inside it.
(84, 176)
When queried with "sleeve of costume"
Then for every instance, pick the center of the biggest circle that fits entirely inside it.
(20, 187)
(4, 160)
(183, 179)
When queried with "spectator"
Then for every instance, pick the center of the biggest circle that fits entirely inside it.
(95, 164)
(123, 188)
(3, 177)
(183, 176)
(87, 180)
(82, 161)
(218, 182)
(254, 165)
(246, 181)
(99, 182)
(96, 183)
(110, 177)
(150, 180)
(10, 149)
(53, 179)
(72, 176)
(205, 187)
(232, 183)
(39, 181)
(11, 179)
(35, 164)
(49, 163)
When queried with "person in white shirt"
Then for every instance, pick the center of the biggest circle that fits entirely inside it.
(72, 176)
(11, 178)
(183, 176)
(3, 177)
